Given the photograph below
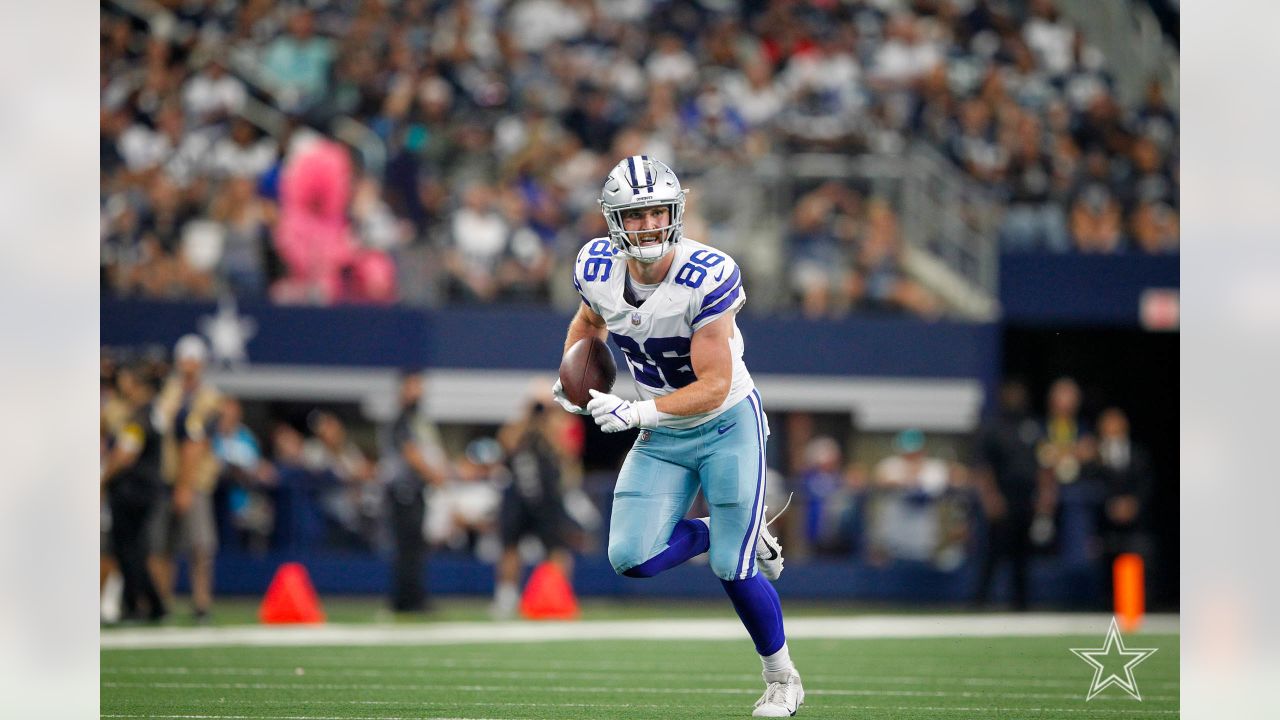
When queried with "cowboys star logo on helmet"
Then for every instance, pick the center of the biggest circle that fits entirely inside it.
(639, 182)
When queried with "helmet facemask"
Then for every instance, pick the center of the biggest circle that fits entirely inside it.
(629, 242)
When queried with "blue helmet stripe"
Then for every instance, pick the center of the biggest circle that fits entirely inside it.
(631, 166)
(648, 175)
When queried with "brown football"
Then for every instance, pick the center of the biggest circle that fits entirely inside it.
(587, 365)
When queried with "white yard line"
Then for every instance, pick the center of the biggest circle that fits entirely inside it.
(459, 633)
(941, 708)
(289, 717)
(600, 690)
(311, 673)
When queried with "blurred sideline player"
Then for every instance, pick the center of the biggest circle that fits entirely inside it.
(131, 482)
(669, 304)
(186, 411)
(412, 459)
(533, 501)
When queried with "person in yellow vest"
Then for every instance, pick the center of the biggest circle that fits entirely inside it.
(130, 481)
(186, 410)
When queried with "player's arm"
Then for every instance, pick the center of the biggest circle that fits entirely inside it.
(414, 458)
(586, 323)
(125, 453)
(712, 365)
(190, 454)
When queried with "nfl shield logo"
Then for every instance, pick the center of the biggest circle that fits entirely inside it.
(645, 435)
(636, 318)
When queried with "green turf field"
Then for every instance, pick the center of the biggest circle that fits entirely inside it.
(952, 677)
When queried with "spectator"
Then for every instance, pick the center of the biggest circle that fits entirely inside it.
(592, 120)
(1009, 478)
(843, 514)
(184, 524)
(1152, 180)
(753, 94)
(1154, 227)
(1067, 441)
(249, 478)
(1096, 221)
(1033, 221)
(344, 474)
(1123, 470)
(213, 95)
(533, 500)
(818, 271)
(671, 64)
(243, 153)
(820, 478)
(313, 235)
(244, 218)
(479, 236)
(298, 62)
(1156, 121)
(525, 271)
(462, 513)
(1051, 38)
(411, 461)
(973, 144)
(913, 518)
(879, 264)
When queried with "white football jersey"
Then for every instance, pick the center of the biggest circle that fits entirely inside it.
(702, 285)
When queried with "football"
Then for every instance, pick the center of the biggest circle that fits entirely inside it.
(588, 365)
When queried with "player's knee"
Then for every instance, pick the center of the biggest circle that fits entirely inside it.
(725, 567)
(626, 559)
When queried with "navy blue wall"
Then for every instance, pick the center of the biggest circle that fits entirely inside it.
(508, 337)
(1043, 289)
(1052, 582)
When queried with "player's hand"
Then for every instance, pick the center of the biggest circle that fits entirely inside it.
(557, 392)
(182, 499)
(613, 414)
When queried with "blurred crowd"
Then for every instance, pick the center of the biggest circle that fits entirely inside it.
(185, 476)
(498, 120)
(1059, 484)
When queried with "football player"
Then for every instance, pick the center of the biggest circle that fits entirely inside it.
(669, 304)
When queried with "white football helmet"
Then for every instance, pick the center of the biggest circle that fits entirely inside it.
(636, 182)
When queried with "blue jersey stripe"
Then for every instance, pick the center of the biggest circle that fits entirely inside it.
(746, 552)
(718, 307)
(725, 287)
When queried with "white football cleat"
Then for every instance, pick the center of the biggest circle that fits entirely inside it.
(780, 699)
(768, 549)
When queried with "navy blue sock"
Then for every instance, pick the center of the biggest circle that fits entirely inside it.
(688, 539)
(757, 604)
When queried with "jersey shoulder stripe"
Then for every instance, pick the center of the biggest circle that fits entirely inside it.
(713, 300)
(725, 287)
(719, 308)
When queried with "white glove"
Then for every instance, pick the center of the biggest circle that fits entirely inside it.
(613, 414)
(557, 392)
